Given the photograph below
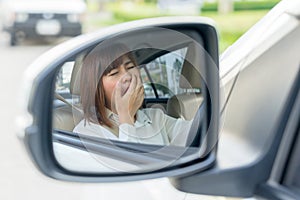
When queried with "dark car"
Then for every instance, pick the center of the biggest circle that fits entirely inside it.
(41, 19)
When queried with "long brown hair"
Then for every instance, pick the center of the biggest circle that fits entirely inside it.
(98, 63)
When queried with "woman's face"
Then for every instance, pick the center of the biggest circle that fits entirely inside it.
(122, 73)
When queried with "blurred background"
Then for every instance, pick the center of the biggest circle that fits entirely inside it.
(233, 17)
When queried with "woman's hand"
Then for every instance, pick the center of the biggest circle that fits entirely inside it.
(129, 97)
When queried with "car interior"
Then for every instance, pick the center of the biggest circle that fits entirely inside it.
(179, 99)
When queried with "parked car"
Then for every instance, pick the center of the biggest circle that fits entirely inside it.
(244, 139)
(39, 19)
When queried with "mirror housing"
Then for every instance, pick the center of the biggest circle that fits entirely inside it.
(40, 81)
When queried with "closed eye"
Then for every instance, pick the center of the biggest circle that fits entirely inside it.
(112, 73)
(131, 67)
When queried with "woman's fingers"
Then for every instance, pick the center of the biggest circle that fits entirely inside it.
(132, 85)
(118, 90)
(133, 98)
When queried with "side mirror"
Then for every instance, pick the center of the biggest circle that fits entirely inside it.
(177, 59)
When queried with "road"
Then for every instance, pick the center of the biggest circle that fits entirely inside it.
(14, 61)
(14, 167)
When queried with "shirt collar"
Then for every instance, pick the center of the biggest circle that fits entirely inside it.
(114, 118)
(142, 119)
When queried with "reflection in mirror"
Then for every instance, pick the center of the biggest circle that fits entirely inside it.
(127, 106)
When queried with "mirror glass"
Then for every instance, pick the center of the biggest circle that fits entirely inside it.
(132, 103)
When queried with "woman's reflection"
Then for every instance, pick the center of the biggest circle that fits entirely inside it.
(112, 93)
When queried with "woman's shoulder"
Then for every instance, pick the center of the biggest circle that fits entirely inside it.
(86, 127)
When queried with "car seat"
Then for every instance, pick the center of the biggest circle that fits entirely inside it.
(66, 117)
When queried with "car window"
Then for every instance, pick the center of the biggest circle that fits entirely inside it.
(64, 78)
(161, 76)
(62, 86)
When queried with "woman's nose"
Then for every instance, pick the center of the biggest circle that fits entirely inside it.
(126, 77)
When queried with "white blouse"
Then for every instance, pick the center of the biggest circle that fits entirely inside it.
(152, 126)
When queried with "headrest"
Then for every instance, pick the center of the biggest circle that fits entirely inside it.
(75, 77)
(190, 74)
